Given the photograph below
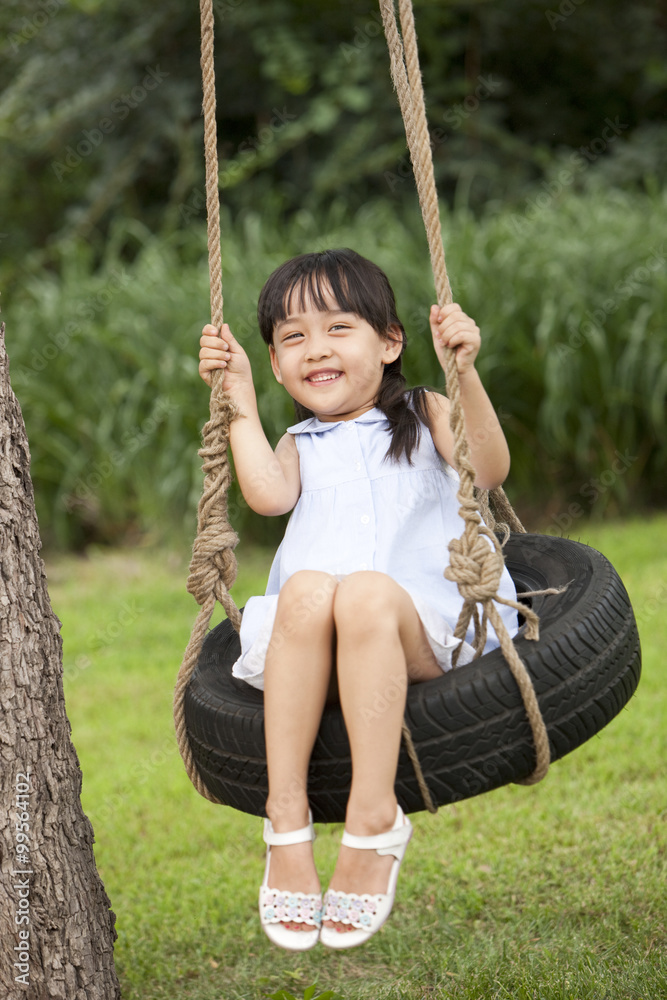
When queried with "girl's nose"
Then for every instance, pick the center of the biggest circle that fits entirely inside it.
(318, 348)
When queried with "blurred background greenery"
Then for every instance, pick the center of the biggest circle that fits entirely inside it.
(550, 150)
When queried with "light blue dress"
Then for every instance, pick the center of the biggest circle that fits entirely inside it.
(360, 511)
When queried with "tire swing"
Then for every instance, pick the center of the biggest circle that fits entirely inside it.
(573, 665)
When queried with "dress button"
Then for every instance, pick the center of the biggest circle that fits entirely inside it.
(365, 519)
(364, 566)
(357, 466)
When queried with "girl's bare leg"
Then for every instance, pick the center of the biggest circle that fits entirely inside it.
(296, 681)
(378, 653)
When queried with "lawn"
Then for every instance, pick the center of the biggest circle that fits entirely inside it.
(554, 892)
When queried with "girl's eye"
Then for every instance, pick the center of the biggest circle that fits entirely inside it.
(340, 326)
(291, 335)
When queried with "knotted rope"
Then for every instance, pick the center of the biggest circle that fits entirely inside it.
(213, 564)
(475, 566)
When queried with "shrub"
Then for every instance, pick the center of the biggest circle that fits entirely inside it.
(569, 289)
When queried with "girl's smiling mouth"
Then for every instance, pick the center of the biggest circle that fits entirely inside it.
(323, 376)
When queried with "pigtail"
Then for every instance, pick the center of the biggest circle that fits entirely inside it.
(406, 410)
(301, 412)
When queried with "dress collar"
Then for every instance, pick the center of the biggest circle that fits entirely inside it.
(314, 426)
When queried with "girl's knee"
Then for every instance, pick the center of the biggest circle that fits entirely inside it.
(306, 594)
(365, 598)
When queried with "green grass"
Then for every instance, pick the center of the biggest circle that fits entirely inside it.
(555, 892)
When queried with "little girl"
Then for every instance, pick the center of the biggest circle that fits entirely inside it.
(356, 600)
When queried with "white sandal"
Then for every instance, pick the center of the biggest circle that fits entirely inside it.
(366, 913)
(276, 906)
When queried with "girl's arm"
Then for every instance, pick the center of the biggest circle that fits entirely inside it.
(489, 454)
(269, 479)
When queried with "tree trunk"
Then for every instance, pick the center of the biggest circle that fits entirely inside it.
(56, 928)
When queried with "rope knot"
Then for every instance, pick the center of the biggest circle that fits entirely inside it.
(213, 561)
(476, 569)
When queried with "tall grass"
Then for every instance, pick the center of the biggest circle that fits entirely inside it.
(570, 292)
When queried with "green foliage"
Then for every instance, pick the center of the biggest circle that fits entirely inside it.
(101, 105)
(568, 289)
(308, 994)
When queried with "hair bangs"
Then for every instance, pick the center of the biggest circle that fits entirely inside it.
(328, 279)
(323, 288)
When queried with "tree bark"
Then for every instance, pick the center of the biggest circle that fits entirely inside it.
(56, 927)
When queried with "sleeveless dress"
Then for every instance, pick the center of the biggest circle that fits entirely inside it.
(360, 511)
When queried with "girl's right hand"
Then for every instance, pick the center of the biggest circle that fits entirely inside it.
(222, 350)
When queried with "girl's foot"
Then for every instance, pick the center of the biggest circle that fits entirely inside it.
(292, 867)
(362, 871)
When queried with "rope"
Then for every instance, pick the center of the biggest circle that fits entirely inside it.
(213, 564)
(419, 774)
(475, 566)
(211, 159)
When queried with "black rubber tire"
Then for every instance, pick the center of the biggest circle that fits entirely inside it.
(469, 726)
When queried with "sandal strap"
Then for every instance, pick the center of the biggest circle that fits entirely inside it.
(361, 912)
(301, 836)
(383, 843)
(303, 907)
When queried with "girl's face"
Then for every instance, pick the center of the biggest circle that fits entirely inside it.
(331, 362)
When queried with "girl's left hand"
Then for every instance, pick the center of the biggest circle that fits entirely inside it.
(451, 328)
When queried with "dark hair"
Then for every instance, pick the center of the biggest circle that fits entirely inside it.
(358, 286)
